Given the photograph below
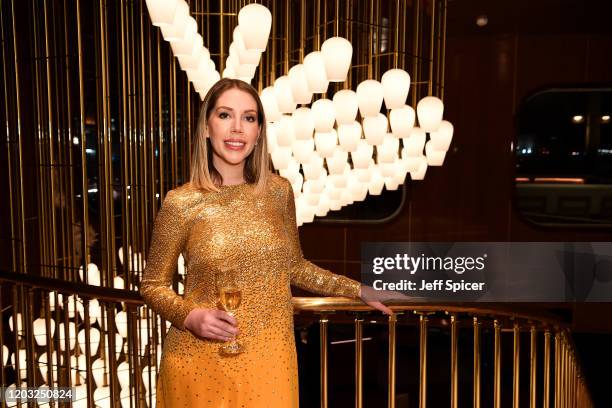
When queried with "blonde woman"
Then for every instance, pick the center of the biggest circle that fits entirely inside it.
(234, 217)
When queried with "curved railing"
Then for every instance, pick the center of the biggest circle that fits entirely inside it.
(60, 319)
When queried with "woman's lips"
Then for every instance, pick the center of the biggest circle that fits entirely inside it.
(234, 144)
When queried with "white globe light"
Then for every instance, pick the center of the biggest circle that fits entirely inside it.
(192, 61)
(296, 186)
(176, 30)
(245, 70)
(323, 207)
(325, 142)
(245, 56)
(402, 121)
(364, 175)
(281, 157)
(345, 105)
(270, 105)
(303, 150)
(349, 135)
(314, 67)
(323, 114)
(387, 169)
(429, 112)
(396, 84)
(337, 54)
(362, 155)
(369, 97)
(271, 136)
(376, 183)
(434, 157)
(284, 97)
(162, 11)
(414, 144)
(303, 123)
(340, 181)
(299, 86)
(255, 22)
(312, 169)
(292, 170)
(443, 136)
(336, 162)
(188, 46)
(387, 152)
(375, 128)
(285, 131)
(419, 174)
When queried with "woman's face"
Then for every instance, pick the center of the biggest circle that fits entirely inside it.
(233, 127)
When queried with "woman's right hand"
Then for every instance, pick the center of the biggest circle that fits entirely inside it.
(211, 324)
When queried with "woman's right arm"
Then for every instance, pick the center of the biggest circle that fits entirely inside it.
(169, 236)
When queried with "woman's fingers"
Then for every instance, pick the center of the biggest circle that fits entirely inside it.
(225, 328)
(218, 334)
(222, 315)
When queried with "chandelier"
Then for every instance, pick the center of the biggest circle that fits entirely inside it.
(335, 144)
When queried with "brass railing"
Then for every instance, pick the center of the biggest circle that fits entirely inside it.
(50, 317)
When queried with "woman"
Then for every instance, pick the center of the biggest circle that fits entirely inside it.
(234, 217)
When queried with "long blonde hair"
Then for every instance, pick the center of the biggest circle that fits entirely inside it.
(257, 168)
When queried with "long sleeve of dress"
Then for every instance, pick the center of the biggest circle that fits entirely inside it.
(169, 236)
(306, 275)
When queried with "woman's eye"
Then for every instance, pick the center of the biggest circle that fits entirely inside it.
(223, 115)
(251, 118)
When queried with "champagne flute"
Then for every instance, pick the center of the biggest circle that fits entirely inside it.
(230, 297)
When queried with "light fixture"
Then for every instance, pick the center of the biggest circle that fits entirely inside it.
(605, 119)
(396, 84)
(316, 77)
(337, 54)
(162, 11)
(429, 113)
(577, 118)
(255, 22)
(370, 97)
(324, 115)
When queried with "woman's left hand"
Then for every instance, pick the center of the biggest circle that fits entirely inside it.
(367, 295)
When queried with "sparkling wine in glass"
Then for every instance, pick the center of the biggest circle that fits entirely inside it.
(230, 297)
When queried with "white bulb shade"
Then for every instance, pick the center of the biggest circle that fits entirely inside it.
(375, 129)
(337, 54)
(121, 323)
(434, 157)
(52, 302)
(296, 186)
(324, 115)
(412, 163)
(228, 72)
(93, 274)
(376, 184)
(391, 184)
(189, 62)
(74, 307)
(303, 123)
(245, 56)
(419, 174)
(123, 375)
(369, 97)
(5, 354)
(345, 106)
(188, 46)
(323, 207)
(255, 22)
(285, 131)
(43, 364)
(71, 335)
(387, 169)
(40, 330)
(176, 30)
(312, 169)
(349, 135)
(19, 323)
(284, 97)
(94, 340)
(162, 11)
(311, 187)
(362, 155)
(337, 161)
(303, 150)
(245, 70)
(314, 67)
(388, 151)
(118, 282)
(335, 205)
(270, 105)
(402, 121)
(271, 136)
(292, 170)
(364, 175)
(148, 374)
(443, 136)
(429, 112)
(415, 143)
(340, 181)
(281, 157)
(401, 171)
(325, 142)
(396, 84)
(299, 86)
(317, 185)
(97, 369)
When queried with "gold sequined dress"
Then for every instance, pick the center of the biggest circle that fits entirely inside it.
(257, 235)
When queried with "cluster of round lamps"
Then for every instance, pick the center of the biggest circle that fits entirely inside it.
(333, 151)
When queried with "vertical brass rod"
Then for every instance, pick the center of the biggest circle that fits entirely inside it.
(287, 39)
(423, 361)
(358, 361)
(497, 366)
(272, 63)
(317, 24)
(533, 360)
(443, 51)
(557, 370)
(9, 148)
(88, 357)
(28, 318)
(516, 382)
(2, 301)
(323, 344)
(371, 43)
(397, 36)
(52, 160)
(454, 369)
(336, 19)
(302, 30)
(378, 42)
(416, 35)
(84, 187)
(221, 38)
(391, 364)
(347, 15)
(16, 331)
(160, 125)
(476, 375)
(431, 47)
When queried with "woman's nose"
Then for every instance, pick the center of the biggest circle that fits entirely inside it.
(237, 125)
